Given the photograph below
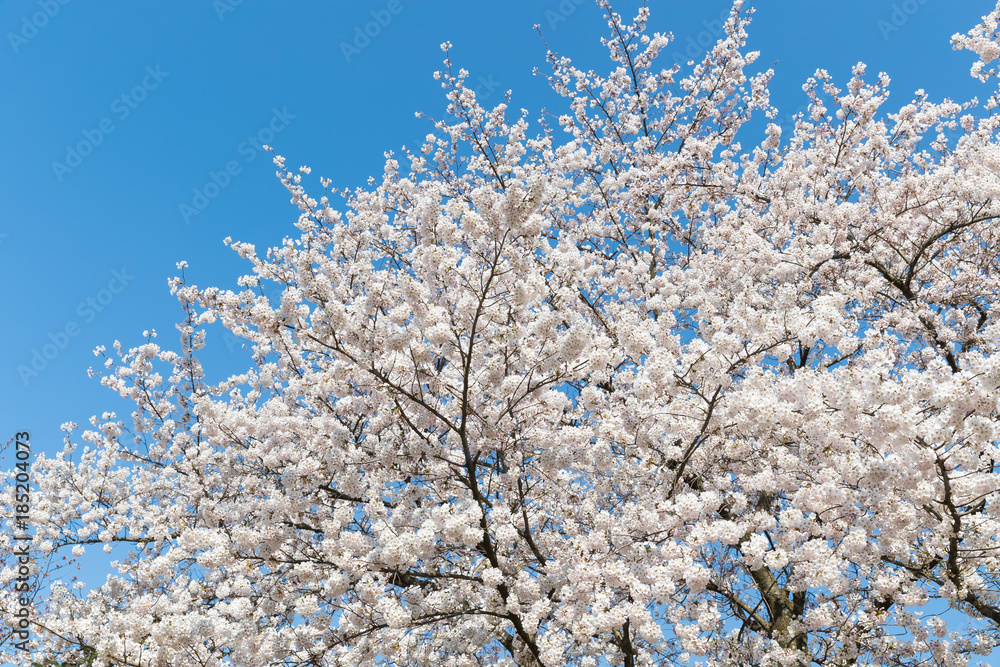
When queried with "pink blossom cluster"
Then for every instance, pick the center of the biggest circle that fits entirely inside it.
(619, 391)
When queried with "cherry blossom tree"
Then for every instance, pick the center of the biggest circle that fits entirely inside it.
(618, 391)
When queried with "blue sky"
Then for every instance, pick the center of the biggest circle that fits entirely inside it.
(161, 95)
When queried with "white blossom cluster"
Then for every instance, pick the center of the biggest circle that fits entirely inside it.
(622, 392)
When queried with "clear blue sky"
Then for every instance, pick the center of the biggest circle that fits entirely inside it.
(187, 87)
